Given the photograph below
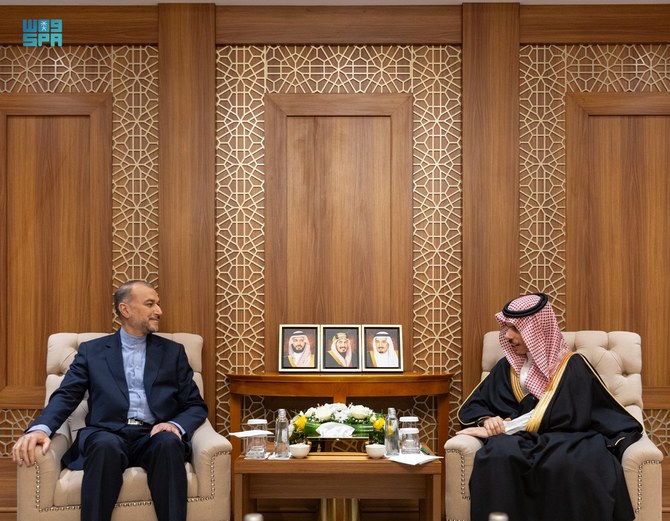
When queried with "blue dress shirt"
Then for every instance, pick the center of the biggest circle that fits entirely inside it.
(134, 353)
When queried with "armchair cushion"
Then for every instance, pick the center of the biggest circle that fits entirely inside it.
(617, 358)
(48, 491)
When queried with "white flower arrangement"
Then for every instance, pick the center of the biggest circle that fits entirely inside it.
(359, 416)
(341, 413)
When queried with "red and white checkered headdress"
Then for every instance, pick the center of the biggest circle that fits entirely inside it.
(534, 318)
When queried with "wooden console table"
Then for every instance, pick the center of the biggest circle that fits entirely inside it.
(340, 388)
(337, 475)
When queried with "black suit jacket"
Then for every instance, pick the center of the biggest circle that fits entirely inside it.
(172, 394)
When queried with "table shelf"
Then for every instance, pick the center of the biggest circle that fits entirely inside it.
(344, 476)
(340, 388)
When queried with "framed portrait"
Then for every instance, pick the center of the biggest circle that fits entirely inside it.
(298, 348)
(341, 348)
(382, 346)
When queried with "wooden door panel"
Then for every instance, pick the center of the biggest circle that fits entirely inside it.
(56, 178)
(45, 237)
(618, 217)
(303, 217)
(338, 212)
(359, 210)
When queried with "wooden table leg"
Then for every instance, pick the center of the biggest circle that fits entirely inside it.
(435, 497)
(442, 423)
(442, 435)
(339, 509)
(235, 423)
(353, 510)
(235, 426)
(323, 512)
(242, 503)
(238, 500)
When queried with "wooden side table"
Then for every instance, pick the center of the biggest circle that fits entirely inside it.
(338, 475)
(340, 388)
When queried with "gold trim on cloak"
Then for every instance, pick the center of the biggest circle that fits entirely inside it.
(458, 411)
(516, 385)
(541, 407)
(604, 385)
(516, 389)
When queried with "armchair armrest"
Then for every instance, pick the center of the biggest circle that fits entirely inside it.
(459, 457)
(39, 481)
(211, 460)
(642, 468)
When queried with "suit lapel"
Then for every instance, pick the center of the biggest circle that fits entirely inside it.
(153, 363)
(115, 362)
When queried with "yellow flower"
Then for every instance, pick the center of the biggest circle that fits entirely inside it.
(300, 423)
(378, 424)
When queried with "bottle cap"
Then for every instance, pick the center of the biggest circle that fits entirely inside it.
(253, 517)
(409, 419)
(498, 516)
(257, 422)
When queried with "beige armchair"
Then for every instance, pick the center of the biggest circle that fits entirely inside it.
(617, 358)
(49, 492)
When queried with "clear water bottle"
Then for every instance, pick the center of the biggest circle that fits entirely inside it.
(498, 516)
(281, 436)
(391, 434)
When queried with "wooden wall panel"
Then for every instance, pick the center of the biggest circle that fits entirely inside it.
(7, 490)
(582, 24)
(490, 172)
(186, 177)
(44, 240)
(338, 209)
(349, 215)
(338, 25)
(85, 24)
(56, 230)
(618, 217)
(488, 193)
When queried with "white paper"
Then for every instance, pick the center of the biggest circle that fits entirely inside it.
(517, 424)
(335, 430)
(413, 459)
(249, 434)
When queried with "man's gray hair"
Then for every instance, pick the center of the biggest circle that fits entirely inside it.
(123, 293)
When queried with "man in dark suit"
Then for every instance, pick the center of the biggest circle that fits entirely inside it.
(143, 410)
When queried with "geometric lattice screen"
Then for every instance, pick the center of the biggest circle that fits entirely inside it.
(547, 73)
(432, 74)
(130, 73)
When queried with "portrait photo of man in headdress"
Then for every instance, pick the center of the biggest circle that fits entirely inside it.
(341, 348)
(383, 350)
(298, 348)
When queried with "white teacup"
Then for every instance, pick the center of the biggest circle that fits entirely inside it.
(375, 450)
(299, 450)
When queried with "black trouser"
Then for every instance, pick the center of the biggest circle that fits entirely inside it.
(108, 454)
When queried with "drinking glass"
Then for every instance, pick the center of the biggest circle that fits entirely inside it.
(410, 440)
(256, 444)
